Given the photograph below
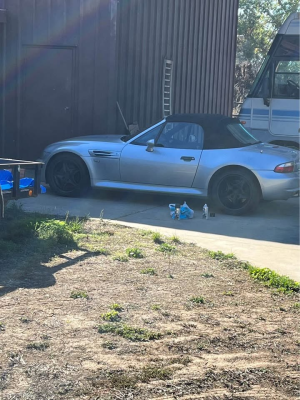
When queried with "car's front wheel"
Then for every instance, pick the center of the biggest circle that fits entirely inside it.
(236, 192)
(67, 175)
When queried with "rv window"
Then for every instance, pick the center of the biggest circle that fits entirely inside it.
(287, 80)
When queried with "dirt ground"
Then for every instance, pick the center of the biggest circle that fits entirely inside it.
(210, 331)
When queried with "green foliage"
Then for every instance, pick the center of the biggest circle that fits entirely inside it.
(25, 320)
(111, 316)
(166, 248)
(296, 306)
(117, 307)
(197, 300)
(120, 257)
(259, 21)
(219, 255)
(134, 252)
(54, 230)
(175, 239)
(149, 373)
(228, 294)
(129, 332)
(41, 346)
(79, 294)
(156, 307)
(207, 275)
(271, 279)
(2, 326)
(148, 271)
(156, 237)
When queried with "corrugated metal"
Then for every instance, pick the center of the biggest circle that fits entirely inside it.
(198, 35)
(97, 52)
(82, 27)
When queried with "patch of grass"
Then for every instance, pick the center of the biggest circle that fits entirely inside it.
(146, 233)
(134, 252)
(156, 307)
(123, 381)
(149, 373)
(156, 237)
(54, 230)
(120, 257)
(129, 332)
(79, 294)
(41, 346)
(117, 307)
(207, 275)
(197, 300)
(2, 326)
(101, 251)
(148, 271)
(175, 239)
(166, 248)
(296, 306)
(111, 316)
(270, 278)
(219, 255)
(228, 293)
(75, 225)
(109, 345)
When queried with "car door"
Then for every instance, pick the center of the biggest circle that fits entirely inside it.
(173, 161)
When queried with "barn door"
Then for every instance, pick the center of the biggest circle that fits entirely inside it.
(47, 98)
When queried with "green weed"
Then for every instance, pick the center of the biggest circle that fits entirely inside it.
(206, 275)
(296, 306)
(219, 255)
(156, 237)
(129, 332)
(134, 253)
(228, 293)
(111, 316)
(197, 300)
(117, 307)
(175, 239)
(2, 326)
(25, 320)
(156, 307)
(148, 271)
(270, 278)
(166, 248)
(149, 373)
(120, 257)
(79, 294)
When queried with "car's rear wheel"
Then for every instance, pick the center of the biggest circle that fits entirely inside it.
(68, 176)
(236, 192)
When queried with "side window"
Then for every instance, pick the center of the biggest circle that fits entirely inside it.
(287, 80)
(181, 135)
(143, 139)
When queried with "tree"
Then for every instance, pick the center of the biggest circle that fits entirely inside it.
(259, 20)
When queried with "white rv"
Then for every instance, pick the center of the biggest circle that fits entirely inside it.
(272, 109)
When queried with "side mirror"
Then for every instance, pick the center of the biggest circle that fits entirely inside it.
(150, 145)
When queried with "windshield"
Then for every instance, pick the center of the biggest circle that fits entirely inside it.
(240, 135)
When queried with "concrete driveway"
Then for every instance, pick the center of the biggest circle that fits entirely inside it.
(269, 238)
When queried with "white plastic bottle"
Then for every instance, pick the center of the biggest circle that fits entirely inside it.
(205, 211)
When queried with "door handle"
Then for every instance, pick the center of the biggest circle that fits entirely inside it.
(185, 158)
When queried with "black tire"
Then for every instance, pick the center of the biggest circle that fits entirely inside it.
(235, 192)
(68, 176)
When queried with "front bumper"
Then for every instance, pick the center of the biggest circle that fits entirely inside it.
(277, 186)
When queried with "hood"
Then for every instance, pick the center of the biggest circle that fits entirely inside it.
(94, 138)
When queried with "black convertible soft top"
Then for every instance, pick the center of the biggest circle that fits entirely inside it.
(209, 122)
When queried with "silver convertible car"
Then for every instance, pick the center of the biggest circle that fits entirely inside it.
(188, 154)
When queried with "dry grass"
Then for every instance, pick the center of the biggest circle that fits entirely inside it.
(163, 346)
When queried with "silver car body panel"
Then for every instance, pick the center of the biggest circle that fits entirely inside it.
(115, 164)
